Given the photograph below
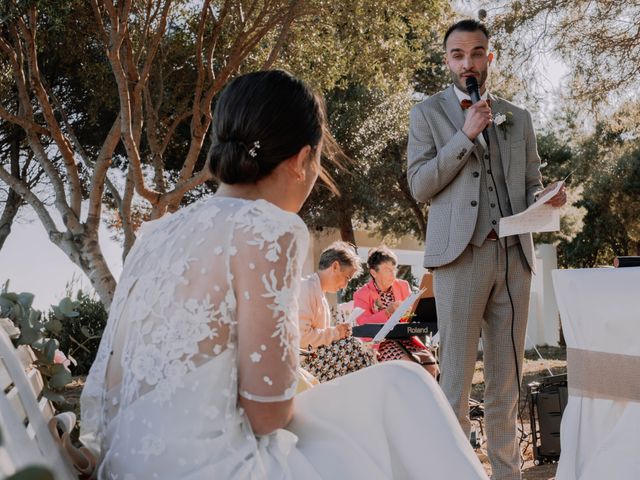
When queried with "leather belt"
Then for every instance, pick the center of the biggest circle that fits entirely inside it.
(493, 236)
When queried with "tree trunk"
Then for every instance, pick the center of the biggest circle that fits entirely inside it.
(346, 226)
(84, 251)
(9, 213)
(14, 201)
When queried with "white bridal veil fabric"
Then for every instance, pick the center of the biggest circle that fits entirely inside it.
(206, 310)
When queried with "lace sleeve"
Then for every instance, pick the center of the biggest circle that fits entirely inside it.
(266, 276)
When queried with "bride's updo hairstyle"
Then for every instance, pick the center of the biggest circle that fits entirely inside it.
(261, 119)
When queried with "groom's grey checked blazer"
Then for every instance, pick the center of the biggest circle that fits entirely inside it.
(452, 172)
(442, 166)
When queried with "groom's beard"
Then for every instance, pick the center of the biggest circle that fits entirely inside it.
(461, 82)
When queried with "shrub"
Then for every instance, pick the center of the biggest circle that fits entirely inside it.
(28, 326)
(80, 336)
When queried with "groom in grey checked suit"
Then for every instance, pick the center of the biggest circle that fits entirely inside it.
(478, 278)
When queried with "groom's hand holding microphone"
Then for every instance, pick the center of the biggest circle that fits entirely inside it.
(477, 119)
(479, 115)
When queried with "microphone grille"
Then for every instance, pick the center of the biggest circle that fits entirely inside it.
(472, 83)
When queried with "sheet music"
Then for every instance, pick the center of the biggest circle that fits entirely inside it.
(400, 312)
(539, 217)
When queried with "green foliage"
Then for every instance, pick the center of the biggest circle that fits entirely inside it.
(36, 331)
(595, 39)
(373, 43)
(371, 127)
(601, 219)
(369, 119)
(80, 336)
(611, 224)
(432, 75)
(557, 158)
(559, 161)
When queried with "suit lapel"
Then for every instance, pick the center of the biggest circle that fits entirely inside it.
(503, 143)
(451, 107)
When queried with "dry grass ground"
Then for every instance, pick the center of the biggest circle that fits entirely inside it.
(535, 369)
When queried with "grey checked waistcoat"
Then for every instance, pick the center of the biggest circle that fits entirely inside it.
(491, 201)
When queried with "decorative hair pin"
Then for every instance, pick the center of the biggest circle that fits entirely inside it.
(253, 151)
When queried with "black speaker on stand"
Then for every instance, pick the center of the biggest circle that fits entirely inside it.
(547, 401)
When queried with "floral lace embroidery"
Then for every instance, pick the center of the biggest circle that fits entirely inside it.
(178, 311)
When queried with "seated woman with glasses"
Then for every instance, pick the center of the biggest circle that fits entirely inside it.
(337, 265)
(379, 299)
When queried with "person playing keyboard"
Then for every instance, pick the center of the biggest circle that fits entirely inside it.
(379, 298)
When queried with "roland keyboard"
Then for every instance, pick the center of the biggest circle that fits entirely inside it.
(402, 330)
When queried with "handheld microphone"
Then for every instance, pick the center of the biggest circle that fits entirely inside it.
(474, 92)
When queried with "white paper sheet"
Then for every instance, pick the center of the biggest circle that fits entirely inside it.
(537, 218)
(400, 312)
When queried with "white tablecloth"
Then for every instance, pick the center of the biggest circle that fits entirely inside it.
(600, 312)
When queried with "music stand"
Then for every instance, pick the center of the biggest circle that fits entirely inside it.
(424, 310)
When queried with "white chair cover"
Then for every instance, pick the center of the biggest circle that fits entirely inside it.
(600, 312)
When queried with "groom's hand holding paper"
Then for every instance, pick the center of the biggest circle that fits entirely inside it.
(542, 216)
(560, 198)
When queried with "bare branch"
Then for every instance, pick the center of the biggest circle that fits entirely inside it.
(284, 31)
(64, 146)
(215, 36)
(102, 31)
(172, 127)
(24, 190)
(100, 175)
(171, 199)
(25, 123)
(128, 115)
(69, 217)
(26, 111)
(151, 54)
(195, 120)
(13, 200)
(125, 215)
(106, 152)
(154, 144)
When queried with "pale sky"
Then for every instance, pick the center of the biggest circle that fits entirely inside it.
(33, 264)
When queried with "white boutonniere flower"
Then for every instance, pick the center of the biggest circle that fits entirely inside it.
(503, 121)
(499, 119)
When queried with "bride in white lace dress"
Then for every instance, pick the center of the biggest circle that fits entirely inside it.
(196, 374)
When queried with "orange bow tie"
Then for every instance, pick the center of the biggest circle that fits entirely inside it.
(466, 103)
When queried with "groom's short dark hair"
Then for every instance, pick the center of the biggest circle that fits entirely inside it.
(467, 25)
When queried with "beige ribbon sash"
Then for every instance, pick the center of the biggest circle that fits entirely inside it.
(610, 376)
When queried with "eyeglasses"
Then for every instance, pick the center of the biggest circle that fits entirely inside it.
(385, 269)
(346, 276)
